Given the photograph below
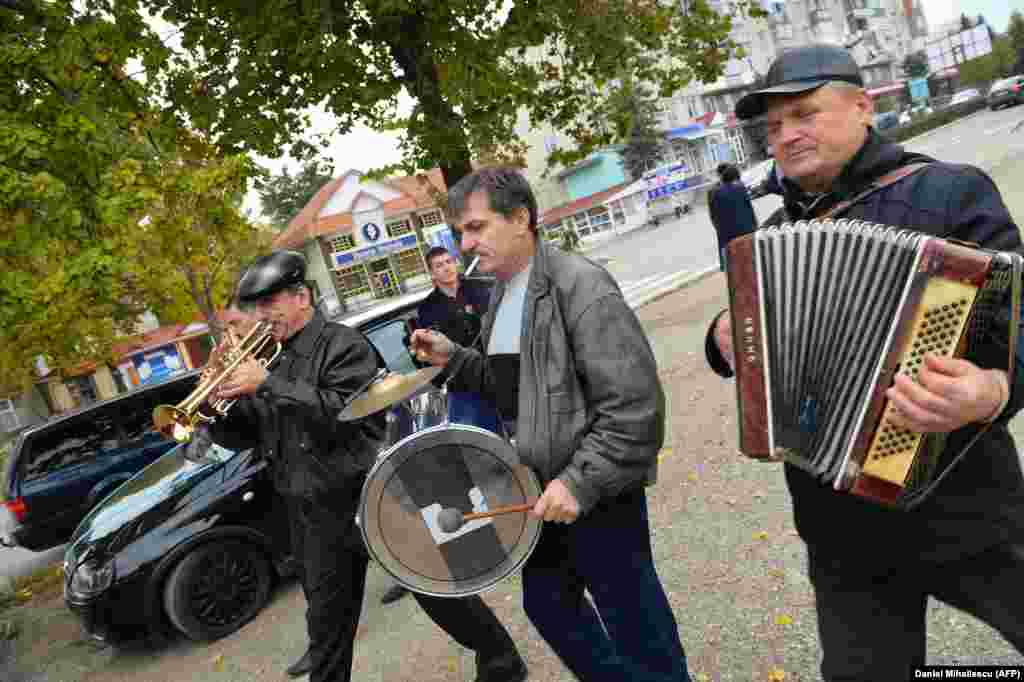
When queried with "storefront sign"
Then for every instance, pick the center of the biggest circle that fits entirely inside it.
(371, 252)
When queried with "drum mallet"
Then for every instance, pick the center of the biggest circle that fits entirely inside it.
(451, 519)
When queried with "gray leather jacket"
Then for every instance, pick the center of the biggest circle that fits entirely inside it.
(591, 406)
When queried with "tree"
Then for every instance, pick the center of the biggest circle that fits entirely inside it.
(915, 65)
(68, 111)
(638, 114)
(997, 64)
(471, 68)
(184, 235)
(283, 195)
(1015, 35)
(965, 23)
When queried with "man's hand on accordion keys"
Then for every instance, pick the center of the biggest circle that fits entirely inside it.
(723, 337)
(949, 394)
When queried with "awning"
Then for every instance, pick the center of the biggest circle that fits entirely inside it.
(887, 89)
(694, 131)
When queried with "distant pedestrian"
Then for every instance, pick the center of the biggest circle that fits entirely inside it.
(732, 212)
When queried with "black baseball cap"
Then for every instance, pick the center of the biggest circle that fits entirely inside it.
(801, 69)
(269, 274)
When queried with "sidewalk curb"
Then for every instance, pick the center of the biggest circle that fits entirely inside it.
(680, 281)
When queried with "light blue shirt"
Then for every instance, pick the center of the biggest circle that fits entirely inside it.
(508, 321)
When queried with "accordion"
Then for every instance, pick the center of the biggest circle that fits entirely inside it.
(826, 313)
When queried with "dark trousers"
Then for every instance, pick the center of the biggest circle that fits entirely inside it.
(328, 548)
(333, 564)
(631, 635)
(872, 627)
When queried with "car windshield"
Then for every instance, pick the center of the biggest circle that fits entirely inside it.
(155, 483)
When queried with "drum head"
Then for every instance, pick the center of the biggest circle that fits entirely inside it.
(448, 466)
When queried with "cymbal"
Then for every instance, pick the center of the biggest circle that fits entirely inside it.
(388, 390)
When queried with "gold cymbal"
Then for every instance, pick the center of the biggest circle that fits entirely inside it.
(388, 390)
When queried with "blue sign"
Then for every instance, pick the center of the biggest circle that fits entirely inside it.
(919, 89)
(669, 189)
(371, 252)
(371, 231)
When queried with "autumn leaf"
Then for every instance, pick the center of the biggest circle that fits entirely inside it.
(218, 663)
(692, 476)
(783, 619)
(761, 535)
(776, 675)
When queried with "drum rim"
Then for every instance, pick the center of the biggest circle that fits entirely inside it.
(531, 523)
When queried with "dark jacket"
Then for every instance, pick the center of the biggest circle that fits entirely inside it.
(981, 502)
(459, 318)
(293, 418)
(591, 408)
(732, 212)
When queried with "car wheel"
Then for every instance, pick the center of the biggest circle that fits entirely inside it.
(216, 589)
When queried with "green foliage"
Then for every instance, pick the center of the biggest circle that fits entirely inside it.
(997, 64)
(252, 69)
(283, 195)
(635, 107)
(84, 153)
(1015, 32)
(935, 120)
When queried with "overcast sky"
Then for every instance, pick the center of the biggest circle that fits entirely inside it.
(364, 149)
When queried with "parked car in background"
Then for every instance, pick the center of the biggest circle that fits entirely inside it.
(963, 97)
(196, 546)
(1006, 93)
(58, 470)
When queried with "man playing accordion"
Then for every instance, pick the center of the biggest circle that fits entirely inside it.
(873, 568)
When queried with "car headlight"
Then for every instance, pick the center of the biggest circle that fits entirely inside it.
(92, 577)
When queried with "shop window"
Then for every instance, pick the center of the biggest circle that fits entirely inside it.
(352, 281)
(431, 218)
(342, 243)
(396, 228)
(600, 219)
(410, 263)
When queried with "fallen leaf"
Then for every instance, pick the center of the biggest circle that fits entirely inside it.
(692, 476)
(761, 535)
(776, 675)
(703, 677)
(783, 619)
(218, 663)
(453, 664)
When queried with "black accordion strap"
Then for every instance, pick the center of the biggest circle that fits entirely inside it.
(889, 178)
(1011, 363)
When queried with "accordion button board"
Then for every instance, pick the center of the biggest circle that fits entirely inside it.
(937, 328)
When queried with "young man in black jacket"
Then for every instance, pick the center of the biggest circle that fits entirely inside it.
(319, 464)
(873, 568)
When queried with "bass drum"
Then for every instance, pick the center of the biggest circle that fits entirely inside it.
(448, 465)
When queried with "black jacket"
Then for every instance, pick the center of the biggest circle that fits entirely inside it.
(732, 212)
(293, 417)
(458, 319)
(981, 502)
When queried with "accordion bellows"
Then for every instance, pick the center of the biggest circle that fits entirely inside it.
(824, 315)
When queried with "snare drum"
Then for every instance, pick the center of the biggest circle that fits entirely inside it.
(432, 468)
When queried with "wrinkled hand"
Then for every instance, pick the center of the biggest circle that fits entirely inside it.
(949, 394)
(723, 337)
(245, 380)
(557, 504)
(431, 346)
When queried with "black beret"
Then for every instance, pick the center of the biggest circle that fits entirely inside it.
(270, 274)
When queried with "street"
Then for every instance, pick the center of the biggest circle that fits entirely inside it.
(722, 532)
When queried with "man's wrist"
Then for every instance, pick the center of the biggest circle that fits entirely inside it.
(1003, 386)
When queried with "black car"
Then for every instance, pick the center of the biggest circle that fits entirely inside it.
(58, 470)
(196, 546)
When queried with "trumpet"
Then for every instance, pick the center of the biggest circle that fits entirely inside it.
(180, 421)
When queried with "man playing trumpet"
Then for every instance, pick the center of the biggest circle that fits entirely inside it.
(289, 412)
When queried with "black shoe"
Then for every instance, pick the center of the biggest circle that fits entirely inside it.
(302, 666)
(394, 593)
(508, 668)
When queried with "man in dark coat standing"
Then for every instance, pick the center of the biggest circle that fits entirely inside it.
(319, 465)
(732, 212)
(873, 568)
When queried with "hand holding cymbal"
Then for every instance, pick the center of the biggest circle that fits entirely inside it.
(388, 390)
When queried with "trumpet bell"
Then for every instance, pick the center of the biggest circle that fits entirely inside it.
(173, 422)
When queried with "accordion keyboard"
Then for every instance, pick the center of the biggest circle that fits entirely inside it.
(937, 328)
